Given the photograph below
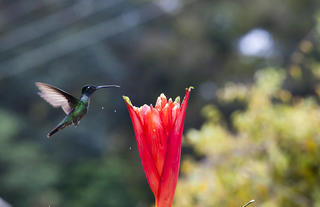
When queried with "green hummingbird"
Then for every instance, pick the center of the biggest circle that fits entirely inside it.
(73, 107)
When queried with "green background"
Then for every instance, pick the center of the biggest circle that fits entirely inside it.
(252, 123)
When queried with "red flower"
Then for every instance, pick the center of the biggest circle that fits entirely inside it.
(158, 133)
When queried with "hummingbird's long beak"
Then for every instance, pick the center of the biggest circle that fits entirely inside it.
(107, 86)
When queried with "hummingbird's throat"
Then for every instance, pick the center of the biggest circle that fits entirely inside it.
(84, 98)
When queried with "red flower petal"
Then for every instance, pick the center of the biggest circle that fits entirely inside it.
(156, 138)
(149, 167)
(161, 102)
(169, 177)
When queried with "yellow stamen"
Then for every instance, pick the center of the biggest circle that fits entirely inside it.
(177, 100)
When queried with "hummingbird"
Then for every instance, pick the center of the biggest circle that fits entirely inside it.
(74, 108)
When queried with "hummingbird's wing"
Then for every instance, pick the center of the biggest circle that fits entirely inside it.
(57, 97)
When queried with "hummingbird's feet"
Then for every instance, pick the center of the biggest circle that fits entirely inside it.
(76, 123)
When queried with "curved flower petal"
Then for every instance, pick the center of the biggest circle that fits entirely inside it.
(170, 173)
(149, 167)
(155, 137)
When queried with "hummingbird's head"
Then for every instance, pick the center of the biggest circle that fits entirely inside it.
(90, 89)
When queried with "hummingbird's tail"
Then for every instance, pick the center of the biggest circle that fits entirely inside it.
(57, 128)
(53, 131)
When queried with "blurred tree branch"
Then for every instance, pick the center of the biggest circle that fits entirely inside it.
(53, 22)
(82, 39)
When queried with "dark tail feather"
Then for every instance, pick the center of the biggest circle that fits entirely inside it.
(56, 129)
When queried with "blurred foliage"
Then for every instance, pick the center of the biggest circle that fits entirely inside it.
(24, 169)
(97, 183)
(271, 154)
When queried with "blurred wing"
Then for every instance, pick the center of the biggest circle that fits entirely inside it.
(57, 97)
